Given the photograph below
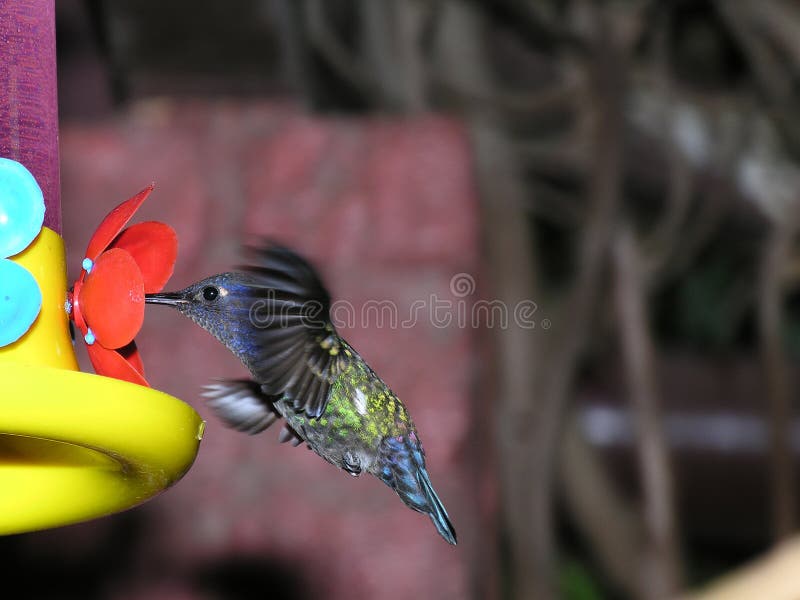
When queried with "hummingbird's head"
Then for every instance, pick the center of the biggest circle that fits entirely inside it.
(267, 313)
(221, 304)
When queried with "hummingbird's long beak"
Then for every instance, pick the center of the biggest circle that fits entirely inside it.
(168, 298)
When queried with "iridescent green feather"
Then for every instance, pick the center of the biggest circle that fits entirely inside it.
(360, 406)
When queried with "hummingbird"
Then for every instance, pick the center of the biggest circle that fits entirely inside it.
(274, 316)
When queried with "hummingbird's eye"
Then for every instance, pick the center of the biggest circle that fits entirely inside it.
(210, 293)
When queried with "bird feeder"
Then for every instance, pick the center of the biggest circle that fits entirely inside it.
(73, 445)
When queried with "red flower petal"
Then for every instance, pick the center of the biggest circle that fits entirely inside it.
(131, 354)
(114, 222)
(75, 314)
(154, 247)
(112, 298)
(111, 364)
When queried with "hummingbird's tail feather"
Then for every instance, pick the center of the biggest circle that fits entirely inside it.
(402, 467)
(438, 513)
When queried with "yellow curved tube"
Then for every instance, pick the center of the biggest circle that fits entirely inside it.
(75, 446)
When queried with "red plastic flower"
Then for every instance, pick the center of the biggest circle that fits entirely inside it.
(107, 300)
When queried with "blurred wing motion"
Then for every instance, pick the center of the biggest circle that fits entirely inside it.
(300, 354)
(243, 406)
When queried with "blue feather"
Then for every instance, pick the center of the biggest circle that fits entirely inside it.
(438, 514)
(403, 469)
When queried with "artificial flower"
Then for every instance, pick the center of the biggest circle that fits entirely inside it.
(107, 300)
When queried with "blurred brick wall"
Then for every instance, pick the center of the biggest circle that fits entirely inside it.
(387, 210)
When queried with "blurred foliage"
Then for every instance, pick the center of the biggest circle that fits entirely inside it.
(576, 582)
(710, 308)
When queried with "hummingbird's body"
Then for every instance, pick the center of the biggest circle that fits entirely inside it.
(275, 318)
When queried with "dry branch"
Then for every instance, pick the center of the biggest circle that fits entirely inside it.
(779, 404)
(660, 564)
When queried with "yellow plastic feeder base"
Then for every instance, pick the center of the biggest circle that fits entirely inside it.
(76, 446)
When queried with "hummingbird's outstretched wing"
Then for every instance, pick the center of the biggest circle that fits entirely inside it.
(242, 405)
(300, 353)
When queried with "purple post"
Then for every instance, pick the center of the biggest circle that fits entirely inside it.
(28, 101)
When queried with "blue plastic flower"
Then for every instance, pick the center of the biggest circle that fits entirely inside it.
(21, 218)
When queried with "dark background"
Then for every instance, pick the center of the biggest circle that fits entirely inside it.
(630, 167)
